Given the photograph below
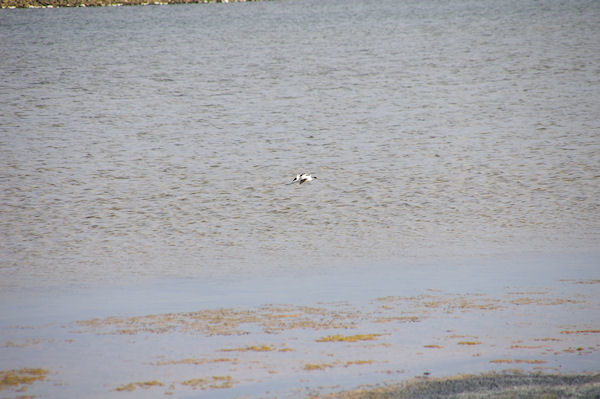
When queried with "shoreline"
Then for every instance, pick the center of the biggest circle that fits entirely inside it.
(509, 384)
(12, 4)
(490, 385)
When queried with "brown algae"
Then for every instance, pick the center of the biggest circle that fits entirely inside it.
(517, 361)
(21, 377)
(544, 301)
(348, 338)
(226, 321)
(324, 366)
(214, 382)
(251, 348)
(314, 366)
(142, 384)
(580, 332)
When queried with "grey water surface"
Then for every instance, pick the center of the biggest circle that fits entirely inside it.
(159, 141)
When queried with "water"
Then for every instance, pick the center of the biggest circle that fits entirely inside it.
(158, 141)
(145, 156)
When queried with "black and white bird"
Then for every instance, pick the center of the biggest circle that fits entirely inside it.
(303, 177)
(297, 178)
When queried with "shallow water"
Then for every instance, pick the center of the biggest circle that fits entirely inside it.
(532, 314)
(158, 141)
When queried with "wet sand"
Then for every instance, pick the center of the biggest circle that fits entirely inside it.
(341, 334)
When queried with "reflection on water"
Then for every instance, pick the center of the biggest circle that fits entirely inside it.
(159, 140)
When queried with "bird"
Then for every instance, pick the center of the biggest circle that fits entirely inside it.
(297, 178)
(306, 177)
(303, 177)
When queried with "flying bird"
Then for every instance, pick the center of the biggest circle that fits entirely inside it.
(303, 177)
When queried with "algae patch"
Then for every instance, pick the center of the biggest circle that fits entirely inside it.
(517, 361)
(269, 318)
(214, 382)
(315, 366)
(349, 338)
(251, 348)
(143, 384)
(20, 378)
(580, 332)
(324, 366)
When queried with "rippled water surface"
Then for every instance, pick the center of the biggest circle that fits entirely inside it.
(154, 141)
